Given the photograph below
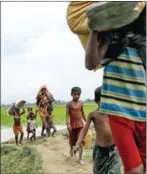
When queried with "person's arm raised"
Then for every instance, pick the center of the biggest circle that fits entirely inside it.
(95, 50)
(23, 112)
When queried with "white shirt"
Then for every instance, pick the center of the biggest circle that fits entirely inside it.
(32, 124)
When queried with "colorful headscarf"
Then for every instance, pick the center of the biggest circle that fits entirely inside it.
(39, 92)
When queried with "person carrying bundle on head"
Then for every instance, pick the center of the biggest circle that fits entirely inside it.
(123, 93)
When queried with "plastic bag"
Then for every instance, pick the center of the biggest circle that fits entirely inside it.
(20, 104)
(11, 109)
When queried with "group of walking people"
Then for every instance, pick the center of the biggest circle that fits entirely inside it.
(120, 119)
(44, 103)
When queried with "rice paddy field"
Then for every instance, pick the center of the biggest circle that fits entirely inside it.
(59, 115)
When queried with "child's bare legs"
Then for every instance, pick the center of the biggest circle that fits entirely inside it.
(80, 153)
(21, 137)
(27, 131)
(43, 127)
(33, 135)
(48, 132)
(16, 139)
(28, 135)
(42, 132)
(54, 131)
(71, 149)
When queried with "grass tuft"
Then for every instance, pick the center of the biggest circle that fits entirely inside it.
(20, 160)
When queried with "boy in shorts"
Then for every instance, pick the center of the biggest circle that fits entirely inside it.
(17, 128)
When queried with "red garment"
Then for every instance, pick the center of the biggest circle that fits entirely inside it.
(124, 131)
(75, 112)
(74, 135)
(17, 129)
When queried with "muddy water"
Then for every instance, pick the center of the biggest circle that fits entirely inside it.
(7, 133)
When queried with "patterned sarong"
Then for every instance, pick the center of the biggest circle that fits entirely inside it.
(106, 160)
(43, 113)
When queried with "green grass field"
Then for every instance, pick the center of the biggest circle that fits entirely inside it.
(59, 115)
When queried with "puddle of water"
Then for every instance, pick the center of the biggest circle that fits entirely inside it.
(7, 133)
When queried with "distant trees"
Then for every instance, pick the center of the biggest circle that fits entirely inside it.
(88, 101)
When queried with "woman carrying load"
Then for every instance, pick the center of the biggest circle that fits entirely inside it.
(43, 99)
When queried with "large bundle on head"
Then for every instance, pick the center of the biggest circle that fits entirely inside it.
(20, 104)
(77, 20)
(104, 16)
(48, 94)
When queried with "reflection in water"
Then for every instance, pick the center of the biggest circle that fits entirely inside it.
(7, 133)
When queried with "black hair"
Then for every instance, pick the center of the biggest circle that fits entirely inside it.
(30, 108)
(76, 89)
(97, 94)
(32, 114)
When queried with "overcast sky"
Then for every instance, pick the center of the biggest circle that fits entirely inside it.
(38, 48)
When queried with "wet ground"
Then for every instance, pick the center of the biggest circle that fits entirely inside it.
(7, 133)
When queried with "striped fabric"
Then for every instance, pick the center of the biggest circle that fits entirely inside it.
(124, 89)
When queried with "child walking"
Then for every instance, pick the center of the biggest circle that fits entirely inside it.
(74, 119)
(49, 121)
(31, 123)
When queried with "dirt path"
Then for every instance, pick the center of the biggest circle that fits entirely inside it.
(55, 157)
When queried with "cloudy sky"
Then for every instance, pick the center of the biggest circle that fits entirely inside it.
(38, 48)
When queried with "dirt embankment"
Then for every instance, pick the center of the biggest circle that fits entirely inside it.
(54, 155)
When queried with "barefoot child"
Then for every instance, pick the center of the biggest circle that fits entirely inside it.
(105, 157)
(32, 125)
(74, 118)
(49, 121)
(17, 125)
(29, 117)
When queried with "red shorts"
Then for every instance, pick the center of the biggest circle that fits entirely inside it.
(130, 139)
(74, 135)
(17, 129)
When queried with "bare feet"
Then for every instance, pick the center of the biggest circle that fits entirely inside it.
(71, 153)
(43, 135)
(20, 143)
(81, 162)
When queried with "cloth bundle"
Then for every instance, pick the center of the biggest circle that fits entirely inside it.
(107, 16)
(77, 20)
